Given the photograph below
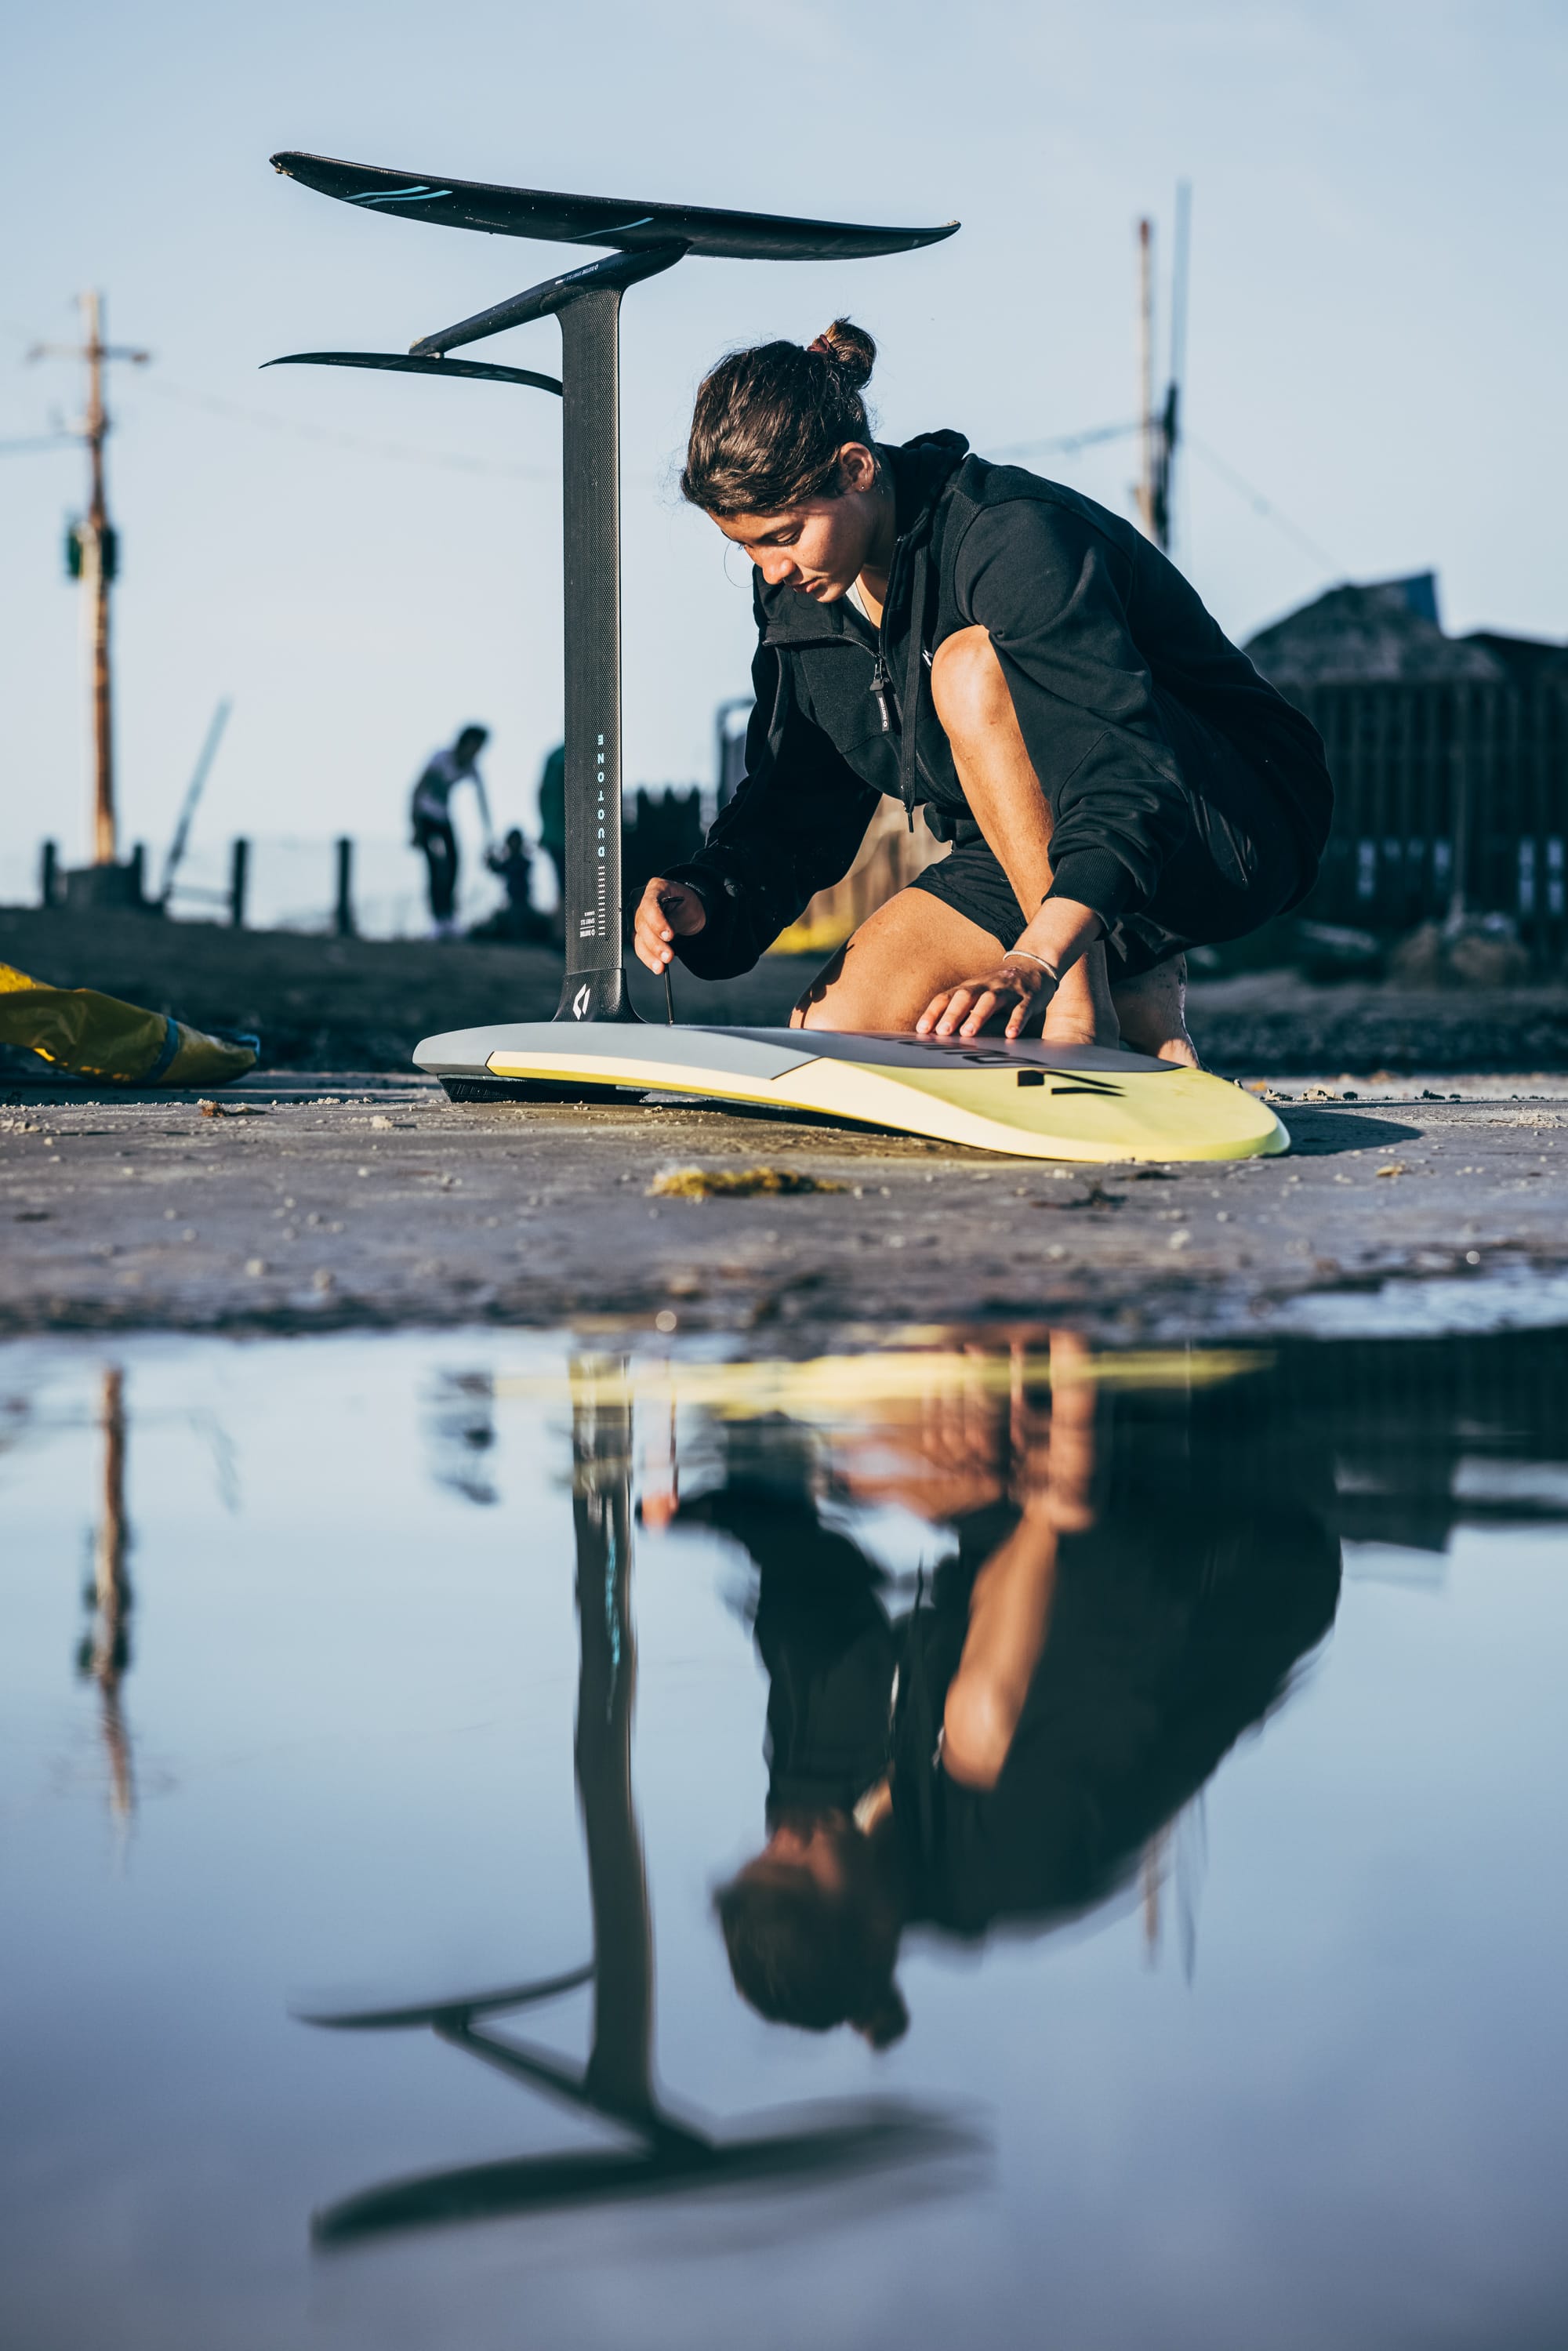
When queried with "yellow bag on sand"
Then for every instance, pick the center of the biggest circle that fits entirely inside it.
(96, 1036)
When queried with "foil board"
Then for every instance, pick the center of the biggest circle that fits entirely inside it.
(1029, 1099)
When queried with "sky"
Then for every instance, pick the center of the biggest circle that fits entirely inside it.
(1376, 340)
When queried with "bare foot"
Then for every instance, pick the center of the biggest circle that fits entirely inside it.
(1082, 1011)
(1152, 1010)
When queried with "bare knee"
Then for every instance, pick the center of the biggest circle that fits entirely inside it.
(815, 1007)
(969, 685)
(818, 1009)
(808, 1013)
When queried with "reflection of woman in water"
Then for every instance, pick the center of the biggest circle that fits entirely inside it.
(1005, 1751)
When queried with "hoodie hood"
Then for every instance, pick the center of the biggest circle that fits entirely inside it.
(921, 470)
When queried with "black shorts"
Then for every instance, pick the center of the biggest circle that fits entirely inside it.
(1240, 863)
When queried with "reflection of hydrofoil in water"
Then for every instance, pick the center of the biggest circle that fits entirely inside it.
(1095, 1105)
(659, 2152)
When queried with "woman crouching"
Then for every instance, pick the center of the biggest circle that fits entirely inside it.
(1117, 782)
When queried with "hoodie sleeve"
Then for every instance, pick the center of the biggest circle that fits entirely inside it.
(792, 829)
(1052, 592)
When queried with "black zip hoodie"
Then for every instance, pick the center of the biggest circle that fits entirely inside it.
(1109, 655)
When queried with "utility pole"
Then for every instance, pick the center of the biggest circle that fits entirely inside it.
(1148, 424)
(1160, 430)
(1170, 428)
(92, 549)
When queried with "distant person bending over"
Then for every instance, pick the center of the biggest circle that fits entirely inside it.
(512, 864)
(1117, 781)
(432, 821)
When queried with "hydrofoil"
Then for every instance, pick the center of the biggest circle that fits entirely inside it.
(1026, 1097)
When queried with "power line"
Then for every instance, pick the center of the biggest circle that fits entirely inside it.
(1064, 443)
(403, 451)
(1265, 506)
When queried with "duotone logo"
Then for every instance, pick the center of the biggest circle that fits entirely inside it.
(580, 1002)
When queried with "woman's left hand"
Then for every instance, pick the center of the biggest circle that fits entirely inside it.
(963, 1011)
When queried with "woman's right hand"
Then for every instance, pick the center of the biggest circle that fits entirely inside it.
(664, 909)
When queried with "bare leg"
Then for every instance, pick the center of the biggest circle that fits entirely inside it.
(884, 978)
(1084, 1012)
(1152, 1010)
(970, 692)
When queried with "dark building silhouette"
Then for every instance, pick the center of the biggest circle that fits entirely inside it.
(1449, 757)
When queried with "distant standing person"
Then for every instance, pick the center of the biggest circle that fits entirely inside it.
(431, 820)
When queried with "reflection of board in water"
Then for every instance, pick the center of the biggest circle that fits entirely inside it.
(668, 2153)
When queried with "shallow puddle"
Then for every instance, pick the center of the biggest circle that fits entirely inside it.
(520, 1842)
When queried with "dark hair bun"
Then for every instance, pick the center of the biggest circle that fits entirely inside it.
(769, 423)
(851, 350)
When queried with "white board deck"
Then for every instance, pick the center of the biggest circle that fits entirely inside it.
(1028, 1098)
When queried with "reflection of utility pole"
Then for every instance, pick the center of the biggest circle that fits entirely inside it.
(92, 551)
(105, 1652)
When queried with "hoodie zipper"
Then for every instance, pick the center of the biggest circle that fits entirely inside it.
(881, 678)
(888, 712)
(885, 696)
(882, 686)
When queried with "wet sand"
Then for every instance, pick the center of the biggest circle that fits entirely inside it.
(353, 1194)
(361, 1202)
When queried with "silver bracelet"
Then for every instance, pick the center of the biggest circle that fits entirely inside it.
(1030, 956)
